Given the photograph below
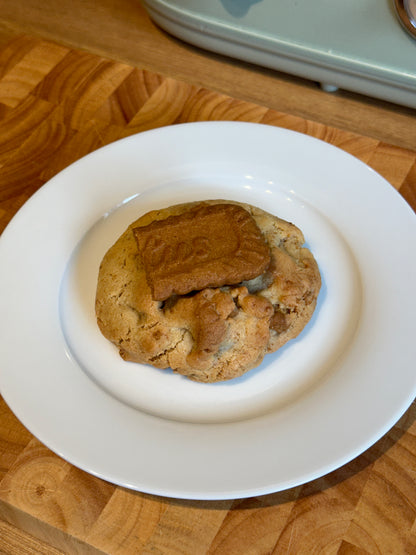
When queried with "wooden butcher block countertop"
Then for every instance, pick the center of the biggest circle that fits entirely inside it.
(59, 102)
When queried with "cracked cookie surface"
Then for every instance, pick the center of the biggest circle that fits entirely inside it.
(218, 333)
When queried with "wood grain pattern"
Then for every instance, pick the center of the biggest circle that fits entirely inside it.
(123, 31)
(56, 105)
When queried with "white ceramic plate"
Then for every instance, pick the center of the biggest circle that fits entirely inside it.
(313, 406)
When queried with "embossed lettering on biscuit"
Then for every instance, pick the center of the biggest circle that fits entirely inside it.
(212, 246)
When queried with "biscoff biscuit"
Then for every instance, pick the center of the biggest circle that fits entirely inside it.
(217, 333)
(210, 246)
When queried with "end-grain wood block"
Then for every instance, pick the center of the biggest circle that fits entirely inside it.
(57, 104)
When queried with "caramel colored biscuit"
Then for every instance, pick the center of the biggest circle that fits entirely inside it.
(209, 247)
(218, 333)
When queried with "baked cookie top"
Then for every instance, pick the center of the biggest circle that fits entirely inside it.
(220, 322)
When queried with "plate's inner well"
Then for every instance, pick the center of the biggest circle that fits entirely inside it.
(281, 377)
